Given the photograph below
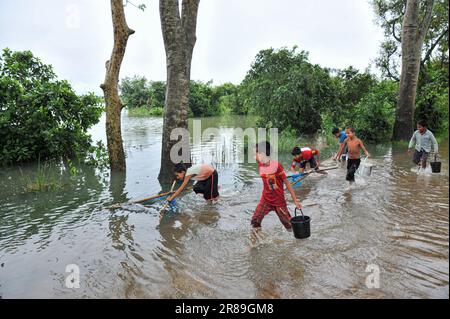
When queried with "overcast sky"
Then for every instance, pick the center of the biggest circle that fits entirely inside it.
(76, 36)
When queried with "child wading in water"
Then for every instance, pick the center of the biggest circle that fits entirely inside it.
(422, 140)
(305, 155)
(272, 198)
(206, 177)
(354, 145)
(341, 136)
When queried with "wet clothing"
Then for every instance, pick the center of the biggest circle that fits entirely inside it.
(423, 142)
(200, 172)
(352, 167)
(272, 176)
(264, 208)
(208, 187)
(272, 198)
(307, 156)
(421, 156)
(312, 163)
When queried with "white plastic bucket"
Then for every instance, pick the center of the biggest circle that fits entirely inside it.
(365, 169)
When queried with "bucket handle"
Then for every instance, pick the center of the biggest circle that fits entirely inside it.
(301, 211)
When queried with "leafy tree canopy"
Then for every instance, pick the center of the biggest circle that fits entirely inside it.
(41, 116)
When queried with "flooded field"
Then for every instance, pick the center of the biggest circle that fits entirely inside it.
(396, 221)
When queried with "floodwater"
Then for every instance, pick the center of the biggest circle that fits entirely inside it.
(386, 237)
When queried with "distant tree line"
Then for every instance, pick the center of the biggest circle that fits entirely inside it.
(205, 99)
(284, 90)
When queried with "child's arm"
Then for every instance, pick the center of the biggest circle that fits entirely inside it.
(341, 149)
(412, 142)
(292, 169)
(294, 197)
(364, 149)
(435, 144)
(180, 189)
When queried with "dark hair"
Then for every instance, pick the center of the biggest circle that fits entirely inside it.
(423, 123)
(335, 130)
(350, 128)
(263, 147)
(296, 151)
(179, 168)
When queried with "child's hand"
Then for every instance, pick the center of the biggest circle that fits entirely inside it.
(298, 205)
(409, 151)
(368, 155)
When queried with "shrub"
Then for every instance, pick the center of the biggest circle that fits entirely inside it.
(40, 116)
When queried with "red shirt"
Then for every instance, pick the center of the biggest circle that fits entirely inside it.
(306, 155)
(273, 177)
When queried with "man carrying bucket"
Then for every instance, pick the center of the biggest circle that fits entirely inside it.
(422, 139)
(272, 198)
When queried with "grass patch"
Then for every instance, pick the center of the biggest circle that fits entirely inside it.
(42, 181)
(442, 136)
(144, 111)
(287, 139)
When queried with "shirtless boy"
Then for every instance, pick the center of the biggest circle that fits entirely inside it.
(354, 146)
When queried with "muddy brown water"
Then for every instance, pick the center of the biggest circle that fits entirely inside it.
(395, 221)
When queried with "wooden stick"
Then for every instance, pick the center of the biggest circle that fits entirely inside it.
(153, 197)
(147, 198)
(161, 213)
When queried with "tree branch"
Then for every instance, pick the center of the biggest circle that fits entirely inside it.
(390, 75)
(425, 25)
(399, 39)
(189, 20)
(433, 46)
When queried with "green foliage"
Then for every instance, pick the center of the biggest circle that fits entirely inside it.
(327, 125)
(287, 140)
(98, 155)
(432, 90)
(157, 94)
(41, 116)
(208, 100)
(375, 113)
(350, 86)
(143, 111)
(135, 92)
(144, 98)
(390, 14)
(200, 99)
(432, 98)
(286, 91)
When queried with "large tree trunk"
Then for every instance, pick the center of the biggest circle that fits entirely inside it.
(413, 35)
(110, 87)
(179, 41)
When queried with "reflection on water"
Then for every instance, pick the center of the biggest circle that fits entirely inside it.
(395, 219)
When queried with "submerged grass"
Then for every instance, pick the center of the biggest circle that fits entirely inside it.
(42, 181)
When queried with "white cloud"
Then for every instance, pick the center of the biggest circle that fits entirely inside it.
(76, 36)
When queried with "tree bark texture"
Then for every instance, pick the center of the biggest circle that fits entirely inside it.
(413, 35)
(110, 87)
(179, 34)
